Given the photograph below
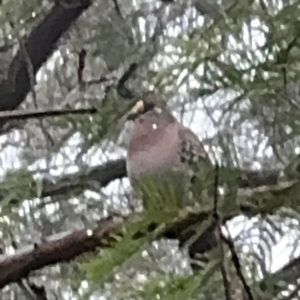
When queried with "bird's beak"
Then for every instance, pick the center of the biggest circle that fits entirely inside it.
(138, 109)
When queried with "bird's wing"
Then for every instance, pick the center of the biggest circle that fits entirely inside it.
(191, 149)
(197, 163)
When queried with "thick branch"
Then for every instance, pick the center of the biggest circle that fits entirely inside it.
(78, 182)
(67, 246)
(116, 169)
(70, 246)
(54, 250)
(40, 45)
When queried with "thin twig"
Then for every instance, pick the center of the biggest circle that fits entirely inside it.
(122, 90)
(30, 290)
(102, 79)
(81, 66)
(282, 59)
(27, 292)
(132, 68)
(216, 216)
(118, 9)
(230, 245)
(216, 187)
(238, 267)
(44, 113)
(39, 291)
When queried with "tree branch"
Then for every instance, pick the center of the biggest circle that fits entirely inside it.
(39, 46)
(44, 113)
(54, 250)
(262, 199)
(105, 173)
(67, 246)
(78, 182)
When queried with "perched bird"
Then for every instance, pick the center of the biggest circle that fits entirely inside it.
(162, 148)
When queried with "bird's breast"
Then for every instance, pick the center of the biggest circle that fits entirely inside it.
(152, 154)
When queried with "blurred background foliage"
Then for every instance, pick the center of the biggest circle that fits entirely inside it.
(230, 71)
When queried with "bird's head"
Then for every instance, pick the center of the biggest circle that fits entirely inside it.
(149, 104)
(153, 142)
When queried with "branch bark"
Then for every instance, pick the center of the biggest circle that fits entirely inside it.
(54, 250)
(40, 44)
(66, 246)
(77, 183)
(260, 190)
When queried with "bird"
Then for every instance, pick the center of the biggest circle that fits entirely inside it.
(163, 152)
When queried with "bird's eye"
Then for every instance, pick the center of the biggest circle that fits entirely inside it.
(158, 110)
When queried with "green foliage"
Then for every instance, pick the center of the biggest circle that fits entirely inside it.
(135, 236)
(16, 187)
(165, 192)
(162, 207)
(105, 125)
(216, 66)
(178, 287)
(114, 50)
(26, 13)
(116, 253)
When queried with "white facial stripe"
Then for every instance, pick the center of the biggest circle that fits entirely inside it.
(154, 126)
